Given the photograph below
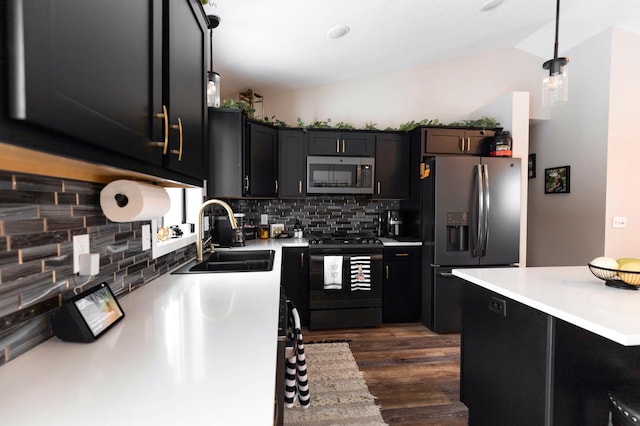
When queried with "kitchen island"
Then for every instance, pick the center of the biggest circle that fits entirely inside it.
(192, 349)
(542, 346)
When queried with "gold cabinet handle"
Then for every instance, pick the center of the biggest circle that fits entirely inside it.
(276, 186)
(402, 254)
(387, 270)
(299, 187)
(337, 145)
(462, 144)
(343, 144)
(246, 183)
(468, 144)
(378, 187)
(179, 128)
(302, 260)
(165, 116)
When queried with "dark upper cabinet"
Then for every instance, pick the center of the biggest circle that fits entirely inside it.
(185, 87)
(243, 156)
(99, 74)
(436, 140)
(261, 161)
(292, 154)
(392, 165)
(323, 142)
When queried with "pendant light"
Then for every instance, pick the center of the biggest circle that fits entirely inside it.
(555, 86)
(213, 78)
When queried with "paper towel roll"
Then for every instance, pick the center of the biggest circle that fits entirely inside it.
(129, 201)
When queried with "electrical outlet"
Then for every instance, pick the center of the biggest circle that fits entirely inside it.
(498, 306)
(80, 246)
(276, 229)
(619, 222)
(146, 237)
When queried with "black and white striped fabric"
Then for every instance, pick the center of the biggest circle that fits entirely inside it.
(296, 380)
(360, 273)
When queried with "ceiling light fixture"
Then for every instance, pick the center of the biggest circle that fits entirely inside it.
(339, 31)
(490, 4)
(555, 86)
(213, 78)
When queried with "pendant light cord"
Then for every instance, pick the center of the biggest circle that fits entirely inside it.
(555, 46)
(211, 48)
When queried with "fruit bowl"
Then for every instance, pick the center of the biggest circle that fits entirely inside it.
(618, 278)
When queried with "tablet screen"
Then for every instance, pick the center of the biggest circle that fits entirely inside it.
(99, 309)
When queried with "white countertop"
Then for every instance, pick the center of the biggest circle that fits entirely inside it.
(569, 293)
(192, 349)
(390, 242)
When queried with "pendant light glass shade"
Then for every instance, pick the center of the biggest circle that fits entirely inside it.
(213, 89)
(555, 86)
(213, 78)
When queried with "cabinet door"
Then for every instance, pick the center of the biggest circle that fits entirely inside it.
(478, 141)
(292, 154)
(392, 166)
(324, 143)
(261, 161)
(359, 144)
(75, 71)
(443, 141)
(185, 93)
(226, 139)
(295, 279)
(504, 375)
(401, 290)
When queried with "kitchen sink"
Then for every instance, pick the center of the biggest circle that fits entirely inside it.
(231, 261)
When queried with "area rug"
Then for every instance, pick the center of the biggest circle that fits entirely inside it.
(339, 394)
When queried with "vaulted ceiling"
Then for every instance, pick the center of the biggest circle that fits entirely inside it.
(284, 44)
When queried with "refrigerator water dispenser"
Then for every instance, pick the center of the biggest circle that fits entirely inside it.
(457, 231)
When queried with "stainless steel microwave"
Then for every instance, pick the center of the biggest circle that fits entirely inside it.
(340, 175)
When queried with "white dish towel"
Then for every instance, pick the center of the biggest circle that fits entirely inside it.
(333, 272)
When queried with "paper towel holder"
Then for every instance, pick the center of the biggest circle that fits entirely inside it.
(121, 200)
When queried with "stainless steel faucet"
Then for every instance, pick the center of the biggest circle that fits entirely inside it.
(232, 219)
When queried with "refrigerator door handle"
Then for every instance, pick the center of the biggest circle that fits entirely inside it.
(485, 192)
(479, 208)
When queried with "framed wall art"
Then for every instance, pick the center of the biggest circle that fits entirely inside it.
(557, 180)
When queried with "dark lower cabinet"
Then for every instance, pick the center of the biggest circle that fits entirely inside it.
(401, 288)
(295, 279)
(505, 347)
(520, 366)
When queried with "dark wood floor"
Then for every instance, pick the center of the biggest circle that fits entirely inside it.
(413, 373)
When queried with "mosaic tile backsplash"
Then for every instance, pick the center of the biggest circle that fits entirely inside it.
(38, 218)
(40, 215)
(318, 215)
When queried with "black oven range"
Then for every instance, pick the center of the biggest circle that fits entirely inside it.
(345, 281)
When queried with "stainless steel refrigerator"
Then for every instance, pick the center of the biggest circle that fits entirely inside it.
(469, 216)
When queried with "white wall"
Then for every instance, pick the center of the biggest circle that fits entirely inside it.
(447, 91)
(623, 152)
(595, 134)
